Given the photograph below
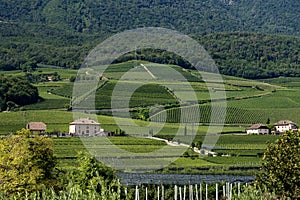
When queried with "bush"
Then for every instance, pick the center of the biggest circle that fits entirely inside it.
(280, 172)
(253, 193)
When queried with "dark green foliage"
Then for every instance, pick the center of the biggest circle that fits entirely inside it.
(42, 77)
(16, 91)
(280, 172)
(90, 168)
(61, 33)
(93, 176)
(253, 56)
(192, 17)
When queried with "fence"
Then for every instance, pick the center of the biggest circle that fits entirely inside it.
(194, 191)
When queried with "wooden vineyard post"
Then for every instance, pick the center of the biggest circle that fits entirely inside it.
(146, 193)
(180, 193)
(191, 196)
(206, 192)
(175, 192)
(200, 187)
(162, 192)
(184, 191)
(227, 190)
(230, 192)
(158, 193)
(217, 194)
(197, 195)
(137, 194)
(239, 189)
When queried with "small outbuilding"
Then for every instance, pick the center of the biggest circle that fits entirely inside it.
(259, 129)
(37, 127)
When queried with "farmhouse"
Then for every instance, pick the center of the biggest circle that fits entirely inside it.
(37, 127)
(285, 125)
(258, 129)
(85, 127)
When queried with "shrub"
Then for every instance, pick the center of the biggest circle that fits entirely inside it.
(280, 172)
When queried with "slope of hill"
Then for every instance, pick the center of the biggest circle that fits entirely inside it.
(62, 32)
(269, 16)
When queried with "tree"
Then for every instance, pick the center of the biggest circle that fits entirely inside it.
(27, 163)
(18, 91)
(94, 176)
(280, 172)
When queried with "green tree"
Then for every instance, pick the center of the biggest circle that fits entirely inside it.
(26, 163)
(280, 172)
(94, 176)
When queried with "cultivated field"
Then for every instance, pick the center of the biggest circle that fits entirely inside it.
(156, 100)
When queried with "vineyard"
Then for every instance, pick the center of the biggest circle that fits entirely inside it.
(242, 152)
(164, 104)
(247, 101)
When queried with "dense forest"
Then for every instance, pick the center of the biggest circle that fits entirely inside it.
(248, 55)
(16, 91)
(252, 39)
(190, 17)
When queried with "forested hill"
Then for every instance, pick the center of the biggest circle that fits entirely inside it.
(188, 16)
(62, 32)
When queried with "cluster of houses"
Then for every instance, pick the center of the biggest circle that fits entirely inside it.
(89, 127)
(279, 127)
(79, 127)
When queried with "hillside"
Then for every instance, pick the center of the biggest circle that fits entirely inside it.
(61, 32)
(191, 17)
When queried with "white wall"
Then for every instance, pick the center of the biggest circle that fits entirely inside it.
(81, 129)
(258, 131)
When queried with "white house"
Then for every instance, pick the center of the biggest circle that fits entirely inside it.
(85, 127)
(258, 129)
(285, 125)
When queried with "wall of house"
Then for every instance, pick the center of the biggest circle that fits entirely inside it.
(284, 128)
(258, 131)
(82, 129)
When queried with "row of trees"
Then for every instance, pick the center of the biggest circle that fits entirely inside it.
(247, 55)
(16, 91)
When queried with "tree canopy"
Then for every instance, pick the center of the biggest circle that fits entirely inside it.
(280, 172)
(27, 163)
(61, 33)
(16, 91)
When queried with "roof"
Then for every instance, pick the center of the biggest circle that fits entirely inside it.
(284, 122)
(84, 121)
(257, 126)
(36, 126)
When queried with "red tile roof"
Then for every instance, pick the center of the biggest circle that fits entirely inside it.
(257, 126)
(284, 122)
(84, 121)
(36, 126)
